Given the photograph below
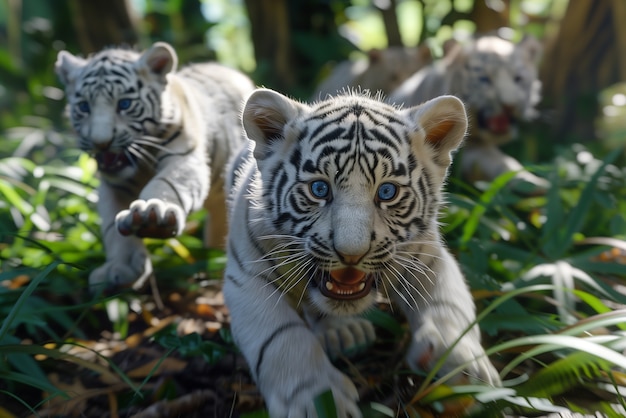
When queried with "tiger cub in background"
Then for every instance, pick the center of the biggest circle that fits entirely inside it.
(498, 82)
(331, 203)
(161, 139)
(382, 70)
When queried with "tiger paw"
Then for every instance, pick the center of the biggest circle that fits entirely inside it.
(344, 335)
(153, 218)
(430, 343)
(117, 273)
(301, 402)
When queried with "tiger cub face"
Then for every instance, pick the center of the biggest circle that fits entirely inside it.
(115, 105)
(351, 189)
(498, 81)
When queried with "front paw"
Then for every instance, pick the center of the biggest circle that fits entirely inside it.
(116, 273)
(299, 401)
(344, 335)
(430, 343)
(153, 218)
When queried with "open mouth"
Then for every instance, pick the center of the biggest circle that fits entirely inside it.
(499, 124)
(346, 284)
(111, 162)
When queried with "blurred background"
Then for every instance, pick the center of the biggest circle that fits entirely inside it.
(540, 267)
(291, 45)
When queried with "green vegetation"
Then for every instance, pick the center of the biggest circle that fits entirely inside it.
(547, 273)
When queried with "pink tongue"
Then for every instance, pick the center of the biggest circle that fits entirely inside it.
(347, 276)
(498, 124)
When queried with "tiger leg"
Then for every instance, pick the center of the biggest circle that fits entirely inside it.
(127, 259)
(178, 188)
(439, 322)
(342, 335)
(286, 359)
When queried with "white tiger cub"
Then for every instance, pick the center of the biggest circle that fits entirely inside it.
(498, 82)
(161, 139)
(331, 203)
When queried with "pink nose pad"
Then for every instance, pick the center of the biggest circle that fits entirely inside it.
(350, 259)
(102, 146)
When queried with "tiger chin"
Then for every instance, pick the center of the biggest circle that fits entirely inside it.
(331, 203)
(161, 138)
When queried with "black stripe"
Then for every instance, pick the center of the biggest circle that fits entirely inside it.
(171, 138)
(250, 273)
(232, 279)
(106, 229)
(172, 186)
(121, 188)
(270, 339)
(304, 385)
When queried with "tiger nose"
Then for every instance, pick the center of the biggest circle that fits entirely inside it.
(350, 259)
(102, 145)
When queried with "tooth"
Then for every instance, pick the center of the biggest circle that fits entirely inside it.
(362, 286)
(329, 285)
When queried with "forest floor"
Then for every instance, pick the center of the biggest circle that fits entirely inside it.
(175, 362)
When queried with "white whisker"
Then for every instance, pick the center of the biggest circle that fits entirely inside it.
(382, 281)
(384, 273)
(141, 154)
(146, 141)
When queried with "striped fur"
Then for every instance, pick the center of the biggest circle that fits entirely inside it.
(161, 139)
(329, 204)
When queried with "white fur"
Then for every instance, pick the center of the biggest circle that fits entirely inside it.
(280, 319)
(179, 144)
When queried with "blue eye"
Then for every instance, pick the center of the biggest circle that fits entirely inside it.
(387, 191)
(484, 79)
(320, 189)
(83, 106)
(124, 104)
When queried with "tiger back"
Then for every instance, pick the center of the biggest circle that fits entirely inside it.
(381, 70)
(161, 139)
(331, 203)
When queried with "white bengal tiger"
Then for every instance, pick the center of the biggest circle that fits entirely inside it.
(161, 139)
(498, 82)
(331, 203)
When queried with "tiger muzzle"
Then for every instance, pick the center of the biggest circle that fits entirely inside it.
(346, 284)
(111, 162)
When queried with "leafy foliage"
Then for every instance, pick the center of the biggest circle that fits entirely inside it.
(546, 270)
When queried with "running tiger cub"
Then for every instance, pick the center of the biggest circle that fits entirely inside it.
(329, 204)
(161, 139)
(497, 80)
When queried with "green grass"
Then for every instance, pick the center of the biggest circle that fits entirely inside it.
(540, 269)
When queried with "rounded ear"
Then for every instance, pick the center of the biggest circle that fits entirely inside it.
(375, 55)
(454, 53)
(67, 65)
(265, 115)
(444, 124)
(160, 59)
(424, 53)
(531, 48)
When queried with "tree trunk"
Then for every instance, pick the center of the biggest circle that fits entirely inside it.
(103, 23)
(490, 15)
(390, 19)
(269, 23)
(586, 56)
